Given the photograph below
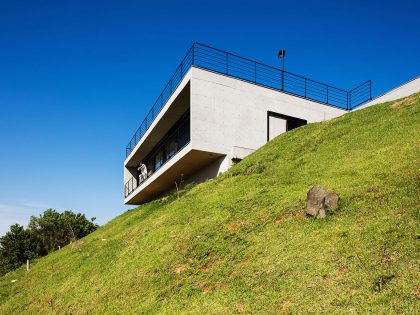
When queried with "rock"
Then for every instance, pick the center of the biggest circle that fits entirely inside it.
(320, 200)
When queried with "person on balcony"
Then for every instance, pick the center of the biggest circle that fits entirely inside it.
(142, 169)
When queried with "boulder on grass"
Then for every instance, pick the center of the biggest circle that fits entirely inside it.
(320, 200)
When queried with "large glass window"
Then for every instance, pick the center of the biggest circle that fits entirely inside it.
(184, 134)
(158, 160)
(171, 148)
(171, 143)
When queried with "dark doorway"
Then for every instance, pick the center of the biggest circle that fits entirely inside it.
(279, 123)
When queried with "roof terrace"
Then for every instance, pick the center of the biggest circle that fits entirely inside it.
(225, 63)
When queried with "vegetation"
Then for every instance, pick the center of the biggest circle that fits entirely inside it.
(241, 244)
(48, 232)
(15, 248)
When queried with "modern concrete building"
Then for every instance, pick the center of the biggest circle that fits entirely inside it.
(216, 109)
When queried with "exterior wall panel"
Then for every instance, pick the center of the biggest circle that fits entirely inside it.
(227, 112)
(228, 120)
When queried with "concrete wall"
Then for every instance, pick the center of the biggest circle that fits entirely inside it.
(229, 120)
(227, 112)
(404, 90)
(240, 153)
(210, 171)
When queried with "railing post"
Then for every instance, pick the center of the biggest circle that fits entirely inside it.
(255, 72)
(347, 101)
(181, 71)
(192, 58)
(370, 89)
(327, 94)
(227, 63)
(305, 87)
(282, 79)
(349, 107)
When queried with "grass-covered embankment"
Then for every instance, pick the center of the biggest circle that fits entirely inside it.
(240, 243)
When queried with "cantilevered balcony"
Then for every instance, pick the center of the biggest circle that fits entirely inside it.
(170, 144)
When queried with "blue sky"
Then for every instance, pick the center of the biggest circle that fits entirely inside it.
(77, 77)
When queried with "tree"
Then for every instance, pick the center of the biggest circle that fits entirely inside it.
(15, 248)
(53, 229)
(43, 235)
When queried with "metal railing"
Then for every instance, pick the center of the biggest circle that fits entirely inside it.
(173, 142)
(225, 63)
(360, 94)
(170, 87)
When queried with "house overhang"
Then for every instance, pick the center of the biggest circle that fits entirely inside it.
(184, 164)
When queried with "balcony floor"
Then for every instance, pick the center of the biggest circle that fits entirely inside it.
(186, 162)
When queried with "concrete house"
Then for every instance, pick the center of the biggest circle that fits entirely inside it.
(215, 110)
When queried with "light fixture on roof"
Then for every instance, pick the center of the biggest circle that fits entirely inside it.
(281, 54)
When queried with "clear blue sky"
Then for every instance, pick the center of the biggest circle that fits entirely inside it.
(77, 77)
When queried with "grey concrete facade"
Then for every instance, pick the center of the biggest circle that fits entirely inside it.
(229, 119)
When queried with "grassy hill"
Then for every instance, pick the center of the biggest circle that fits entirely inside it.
(240, 243)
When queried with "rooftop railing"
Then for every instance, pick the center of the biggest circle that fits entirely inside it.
(225, 63)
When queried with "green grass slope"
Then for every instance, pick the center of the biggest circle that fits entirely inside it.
(241, 244)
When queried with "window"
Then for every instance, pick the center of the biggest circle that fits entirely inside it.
(184, 134)
(171, 148)
(176, 138)
(158, 160)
